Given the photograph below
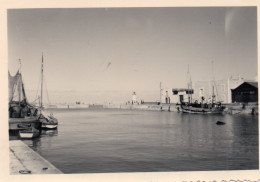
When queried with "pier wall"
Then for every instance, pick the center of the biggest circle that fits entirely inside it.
(234, 108)
(147, 107)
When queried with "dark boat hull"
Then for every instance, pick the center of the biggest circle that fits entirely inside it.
(24, 123)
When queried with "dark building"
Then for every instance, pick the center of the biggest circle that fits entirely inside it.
(246, 92)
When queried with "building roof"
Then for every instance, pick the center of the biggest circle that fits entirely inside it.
(254, 84)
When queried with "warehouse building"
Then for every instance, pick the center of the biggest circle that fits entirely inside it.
(246, 92)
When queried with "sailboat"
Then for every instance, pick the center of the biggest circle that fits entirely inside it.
(211, 107)
(22, 115)
(48, 120)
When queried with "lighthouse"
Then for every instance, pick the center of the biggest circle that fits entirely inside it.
(134, 98)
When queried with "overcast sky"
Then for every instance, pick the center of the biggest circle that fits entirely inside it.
(131, 49)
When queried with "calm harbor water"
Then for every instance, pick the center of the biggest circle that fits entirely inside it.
(111, 140)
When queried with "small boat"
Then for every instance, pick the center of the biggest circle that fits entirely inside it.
(28, 134)
(49, 126)
(49, 122)
(23, 134)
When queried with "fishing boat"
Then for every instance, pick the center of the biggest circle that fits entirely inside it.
(48, 120)
(210, 107)
(22, 114)
(214, 108)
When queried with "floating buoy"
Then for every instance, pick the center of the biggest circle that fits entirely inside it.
(220, 123)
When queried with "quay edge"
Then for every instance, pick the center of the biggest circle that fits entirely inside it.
(25, 161)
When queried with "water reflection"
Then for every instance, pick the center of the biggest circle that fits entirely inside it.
(37, 144)
(50, 133)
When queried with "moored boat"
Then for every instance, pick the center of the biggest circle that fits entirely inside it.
(22, 115)
(50, 126)
(25, 134)
(29, 133)
(202, 108)
(212, 107)
(47, 121)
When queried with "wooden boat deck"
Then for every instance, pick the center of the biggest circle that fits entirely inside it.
(23, 120)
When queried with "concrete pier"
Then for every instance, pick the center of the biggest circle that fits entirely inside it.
(24, 160)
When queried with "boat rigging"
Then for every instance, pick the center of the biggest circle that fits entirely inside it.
(211, 107)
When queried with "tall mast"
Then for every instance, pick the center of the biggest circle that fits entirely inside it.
(213, 83)
(189, 84)
(20, 66)
(41, 81)
(160, 92)
(19, 88)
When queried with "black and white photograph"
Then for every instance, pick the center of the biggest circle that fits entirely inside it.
(132, 90)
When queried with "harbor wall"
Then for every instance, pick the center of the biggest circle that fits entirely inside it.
(235, 108)
(239, 108)
(151, 107)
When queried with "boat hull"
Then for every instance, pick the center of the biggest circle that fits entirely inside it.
(28, 134)
(201, 110)
(49, 126)
(48, 122)
(24, 123)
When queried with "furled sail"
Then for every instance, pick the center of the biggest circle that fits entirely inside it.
(16, 88)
